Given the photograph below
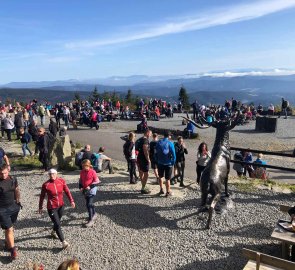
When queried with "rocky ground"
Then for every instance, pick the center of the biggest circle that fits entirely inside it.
(135, 231)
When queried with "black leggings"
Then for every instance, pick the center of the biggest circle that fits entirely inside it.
(180, 171)
(200, 169)
(55, 216)
(132, 170)
(90, 206)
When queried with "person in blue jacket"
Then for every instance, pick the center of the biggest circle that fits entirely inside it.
(165, 157)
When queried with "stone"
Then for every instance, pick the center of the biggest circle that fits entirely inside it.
(61, 155)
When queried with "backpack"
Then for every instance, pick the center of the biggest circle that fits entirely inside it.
(28, 137)
(126, 150)
(50, 140)
(78, 158)
(139, 144)
(286, 104)
(94, 161)
(163, 153)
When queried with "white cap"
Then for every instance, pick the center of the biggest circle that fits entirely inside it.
(52, 171)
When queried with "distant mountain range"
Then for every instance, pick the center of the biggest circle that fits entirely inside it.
(265, 86)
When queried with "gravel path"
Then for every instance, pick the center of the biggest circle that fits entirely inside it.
(134, 231)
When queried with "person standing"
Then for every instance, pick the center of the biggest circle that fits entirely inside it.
(43, 147)
(154, 165)
(166, 157)
(8, 126)
(54, 188)
(203, 157)
(130, 155)
(284, 108)
(88, 185)
(25, 139)
(180, 151)
(143, 159)
(9, 207)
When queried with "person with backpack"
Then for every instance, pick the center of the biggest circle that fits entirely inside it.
(25, 139)
(180, 151)
(33, 131)
(166, 157)
(101, 162)
(143, 159)
(45, 143)
(130, 155)
(284, 108)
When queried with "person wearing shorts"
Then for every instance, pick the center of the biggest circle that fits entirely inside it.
(9, 207)
(166, 157)
(143, 159)
(154, 166)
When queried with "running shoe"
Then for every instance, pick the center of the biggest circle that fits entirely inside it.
(65, 245)
(53, 234)
(161, 192)
(94, 217)
(168, 194)
(89, 223)
(145, 191)
(13, 253)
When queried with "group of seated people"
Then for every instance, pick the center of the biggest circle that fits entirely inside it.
(99, 160)
(253, 171)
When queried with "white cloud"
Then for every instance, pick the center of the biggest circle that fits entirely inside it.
(274, 72)
(62, 59)
(211, 18)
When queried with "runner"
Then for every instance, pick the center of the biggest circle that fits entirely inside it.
(54, 189)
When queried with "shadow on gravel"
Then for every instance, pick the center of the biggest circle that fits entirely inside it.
(234, 260)
(136, 216)
(247, 131)
(263, 200)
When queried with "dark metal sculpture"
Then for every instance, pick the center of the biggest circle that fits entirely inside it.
(216, 172)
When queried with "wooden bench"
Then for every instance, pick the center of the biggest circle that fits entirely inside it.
(285, 237)
(265, 262)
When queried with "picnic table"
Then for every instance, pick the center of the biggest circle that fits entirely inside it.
(286, 237)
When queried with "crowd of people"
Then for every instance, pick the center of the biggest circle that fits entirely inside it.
(165, 157)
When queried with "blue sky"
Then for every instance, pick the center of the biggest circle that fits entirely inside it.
(52, 40)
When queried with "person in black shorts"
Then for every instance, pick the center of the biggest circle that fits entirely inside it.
(154, 166)
(9, 207)
(166, 157)
(4, 159)
(143, 159)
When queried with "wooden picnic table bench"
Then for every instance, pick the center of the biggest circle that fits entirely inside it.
(287, 238)
(263, 261)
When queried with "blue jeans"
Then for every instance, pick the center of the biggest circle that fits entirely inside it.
(26, 147)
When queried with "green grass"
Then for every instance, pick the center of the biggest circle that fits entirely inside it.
(28, 162)
(252, 185)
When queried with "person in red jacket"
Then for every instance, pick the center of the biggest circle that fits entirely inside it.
(54, 189)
